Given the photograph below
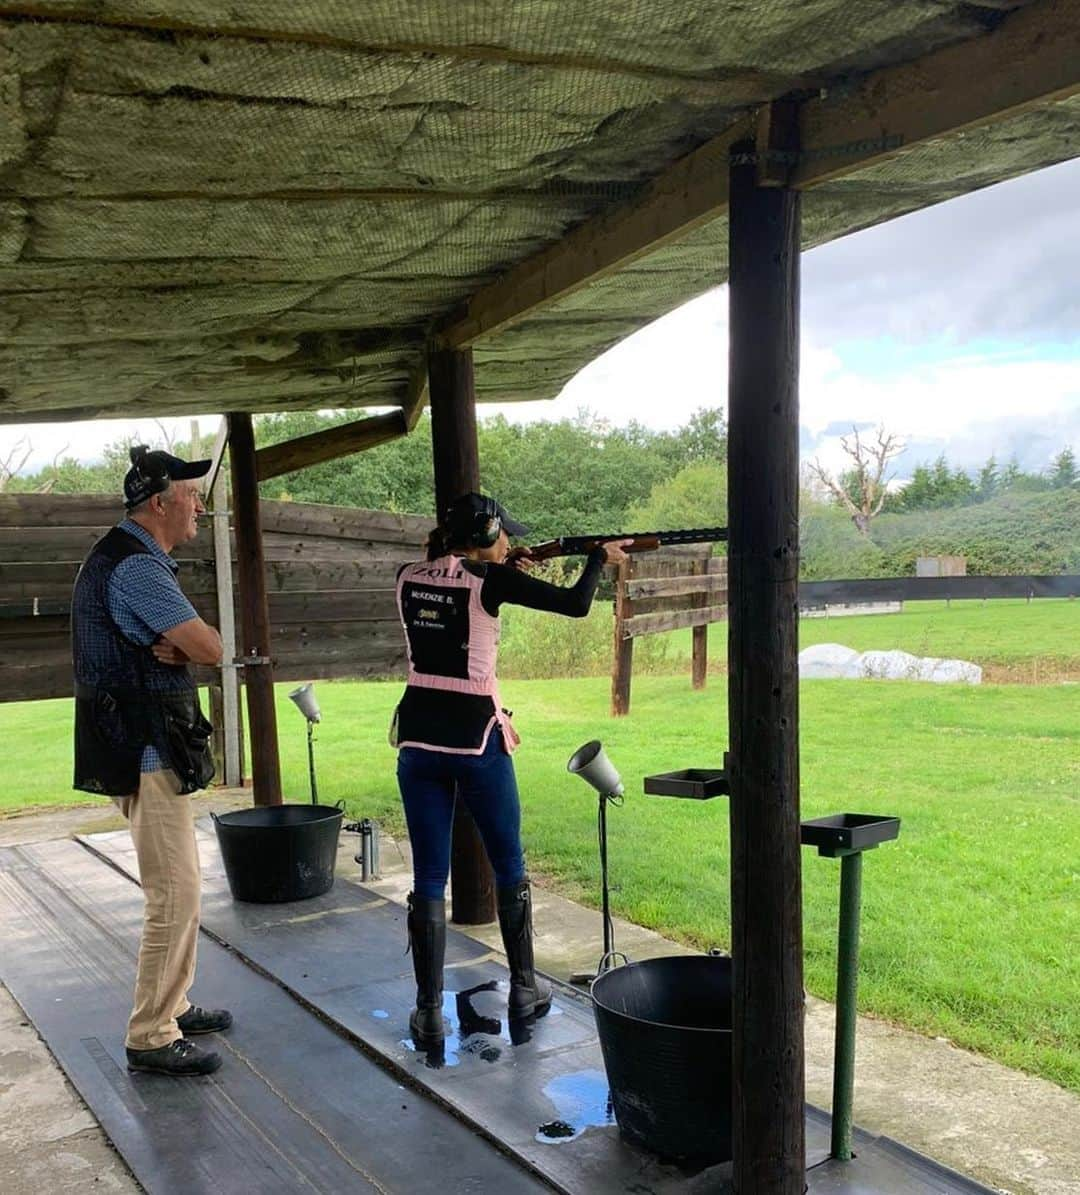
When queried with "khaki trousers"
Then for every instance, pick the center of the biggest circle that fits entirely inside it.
(163, 830)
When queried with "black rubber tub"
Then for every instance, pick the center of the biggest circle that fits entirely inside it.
(279, 852)
(665, 1030)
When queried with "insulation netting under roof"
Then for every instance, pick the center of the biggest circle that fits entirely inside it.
(263, 205)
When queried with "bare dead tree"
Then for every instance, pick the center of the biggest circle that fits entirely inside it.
(167, 437)
(10, 464)
(47, 485)
(870, 482)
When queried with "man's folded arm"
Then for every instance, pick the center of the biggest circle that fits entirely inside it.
(197, 639)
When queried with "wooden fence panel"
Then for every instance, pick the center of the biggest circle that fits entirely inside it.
(330, 577)
(666, 591)
(671, 620)
(60, 510)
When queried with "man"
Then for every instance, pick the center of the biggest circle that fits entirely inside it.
(141, 738)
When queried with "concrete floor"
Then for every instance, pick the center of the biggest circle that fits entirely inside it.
(1009, 1130)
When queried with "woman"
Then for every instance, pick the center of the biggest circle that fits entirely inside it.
(454, 735)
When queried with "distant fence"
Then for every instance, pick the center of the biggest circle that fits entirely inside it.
(330, 577)
(669, 591)
(814, 594)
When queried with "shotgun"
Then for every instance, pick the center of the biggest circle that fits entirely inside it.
(644, 541)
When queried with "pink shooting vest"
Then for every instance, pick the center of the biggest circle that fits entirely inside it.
(451, 640)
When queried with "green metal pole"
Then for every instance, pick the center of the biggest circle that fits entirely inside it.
(847, 985)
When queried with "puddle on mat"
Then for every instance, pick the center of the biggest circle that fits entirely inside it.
(475, 1031)
(582, 1100)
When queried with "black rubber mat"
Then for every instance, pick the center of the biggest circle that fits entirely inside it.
(545, 1099)
(295, 1107)
(882, 1166)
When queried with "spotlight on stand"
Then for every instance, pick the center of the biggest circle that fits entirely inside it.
(593, 766)
(304, 697)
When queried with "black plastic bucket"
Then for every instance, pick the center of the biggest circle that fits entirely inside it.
(279, 852)
(665, 1030)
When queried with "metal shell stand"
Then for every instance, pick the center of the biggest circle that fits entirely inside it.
(845, 836)
(842, 836)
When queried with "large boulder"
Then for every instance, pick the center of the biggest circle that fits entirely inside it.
(901, 665)
(825, 661)
(948, 672)
(885, 665)
(829, 660)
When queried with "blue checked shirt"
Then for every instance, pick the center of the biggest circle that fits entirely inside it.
(145, 600)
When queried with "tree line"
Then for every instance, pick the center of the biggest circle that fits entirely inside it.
(560, 477)
(585, 475)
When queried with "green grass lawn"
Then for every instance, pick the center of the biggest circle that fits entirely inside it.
(1011, 634)
(970, 921)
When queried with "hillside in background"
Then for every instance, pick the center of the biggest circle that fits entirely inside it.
(1014, 533)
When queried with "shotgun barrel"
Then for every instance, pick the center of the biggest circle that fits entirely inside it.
(643, 541)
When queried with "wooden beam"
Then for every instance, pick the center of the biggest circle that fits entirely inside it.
(457, 471)
(328, 445)
(416, 396)
(670, 620)
(1031, 59)
(711, 584)
(768, 1113)
(255, 614)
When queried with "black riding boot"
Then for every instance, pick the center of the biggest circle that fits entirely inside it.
(427, 940)
(529, 995)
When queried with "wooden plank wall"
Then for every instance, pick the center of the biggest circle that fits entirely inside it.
(330, 576)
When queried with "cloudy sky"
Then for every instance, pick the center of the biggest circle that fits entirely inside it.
(957, 327)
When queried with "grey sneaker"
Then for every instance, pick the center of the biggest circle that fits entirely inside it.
(179, 1057)
(203, 1020)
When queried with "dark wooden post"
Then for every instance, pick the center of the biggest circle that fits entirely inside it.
(254, 613)
(623, 649)
(699, 658)
(457, 471)
(763, 558)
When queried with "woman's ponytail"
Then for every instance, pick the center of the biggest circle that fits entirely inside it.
(437, 544)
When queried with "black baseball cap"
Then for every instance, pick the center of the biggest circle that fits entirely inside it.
(462, 513)
(151, 471)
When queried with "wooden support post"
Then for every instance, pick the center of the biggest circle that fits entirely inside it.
(763, 557)
(623, 649)
(457, 471)
(699, 660)
(254, 613)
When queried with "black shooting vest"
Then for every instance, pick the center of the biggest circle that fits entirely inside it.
(125, 699)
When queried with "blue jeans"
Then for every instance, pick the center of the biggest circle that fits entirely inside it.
(487, 785)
